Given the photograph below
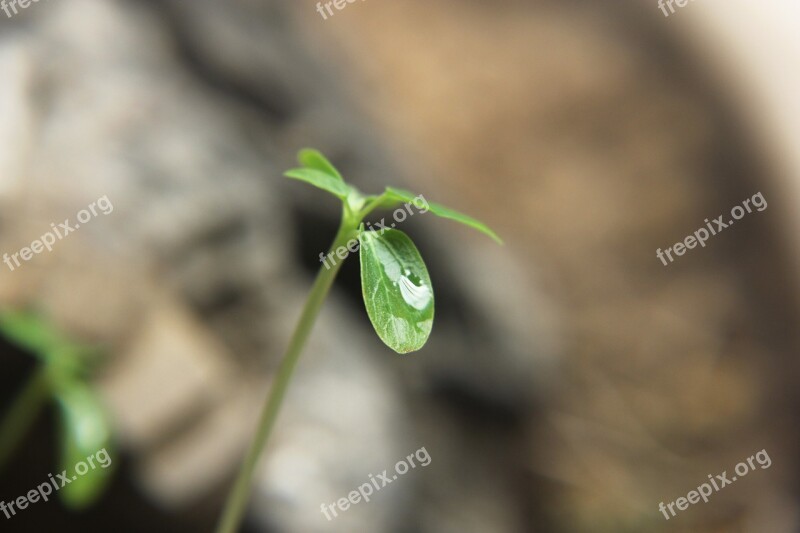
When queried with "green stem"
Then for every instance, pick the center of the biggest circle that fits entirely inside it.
(22, 413)
(371, 206)
(239, 495)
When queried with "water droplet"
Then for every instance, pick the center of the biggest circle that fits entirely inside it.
(417, 296)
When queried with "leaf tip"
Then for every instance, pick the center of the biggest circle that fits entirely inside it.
(316, 160)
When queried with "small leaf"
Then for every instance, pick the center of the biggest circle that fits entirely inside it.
(321, 180)
(310, 158)
(401, 195)
(397, 289)
(31, 332)
(86, 434)
(396, 196)
(28, 331)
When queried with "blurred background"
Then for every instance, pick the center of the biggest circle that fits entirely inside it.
(572, 382)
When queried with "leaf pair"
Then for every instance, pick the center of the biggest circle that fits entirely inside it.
(395, 283)
(319, 172)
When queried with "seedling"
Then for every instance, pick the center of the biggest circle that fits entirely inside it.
(60, 376)
(395, 284)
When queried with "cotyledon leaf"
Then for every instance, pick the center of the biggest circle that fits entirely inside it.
(397, 289)
(401, 195)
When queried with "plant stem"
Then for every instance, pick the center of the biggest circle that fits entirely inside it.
(239, 495)
(22, 413)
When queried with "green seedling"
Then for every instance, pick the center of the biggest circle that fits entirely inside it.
(395, 284)
(61, 376)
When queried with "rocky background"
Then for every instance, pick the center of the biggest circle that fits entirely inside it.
(571, 383)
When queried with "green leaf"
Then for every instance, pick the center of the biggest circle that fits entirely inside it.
(397, 289)
(31, 332)
(86, 441)
(321, 180)
(396, 196)
(401, 195)
(28, 331)
(310, 158)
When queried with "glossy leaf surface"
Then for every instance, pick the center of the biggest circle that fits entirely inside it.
(397, 289)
